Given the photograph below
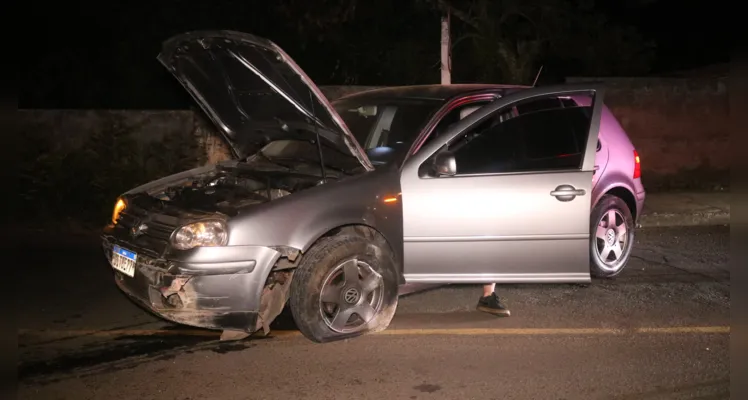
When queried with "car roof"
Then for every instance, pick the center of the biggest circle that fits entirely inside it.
(435, 91)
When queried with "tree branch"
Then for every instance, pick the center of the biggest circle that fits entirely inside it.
(463, 16)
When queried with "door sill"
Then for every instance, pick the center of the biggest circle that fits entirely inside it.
(574, 277)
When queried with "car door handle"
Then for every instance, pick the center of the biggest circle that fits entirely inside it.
(567, 192)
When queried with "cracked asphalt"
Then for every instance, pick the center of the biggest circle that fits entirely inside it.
(658, 331)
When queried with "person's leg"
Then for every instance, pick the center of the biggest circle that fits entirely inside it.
(490, 302)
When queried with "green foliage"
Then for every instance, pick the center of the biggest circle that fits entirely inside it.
(363, 42)
(507, 41)
(384, 42)
(60, 182)
(500, 41)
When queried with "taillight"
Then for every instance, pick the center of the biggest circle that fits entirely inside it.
(637, 166)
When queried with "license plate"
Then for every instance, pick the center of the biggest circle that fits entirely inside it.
(123, 260)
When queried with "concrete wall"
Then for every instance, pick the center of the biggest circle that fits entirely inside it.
(679, 127)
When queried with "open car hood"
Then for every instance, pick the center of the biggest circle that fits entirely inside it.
(255, 93)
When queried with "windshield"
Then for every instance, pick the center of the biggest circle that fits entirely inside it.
(385, 127)
(303, 156)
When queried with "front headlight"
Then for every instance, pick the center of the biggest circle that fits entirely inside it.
(119, 206)
(200, 234)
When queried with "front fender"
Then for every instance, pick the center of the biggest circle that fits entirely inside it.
(395, 245)
(321, 224)
(385, 218)
(300, 219)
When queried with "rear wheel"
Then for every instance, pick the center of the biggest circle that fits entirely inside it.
(611, 237)
(345, 286)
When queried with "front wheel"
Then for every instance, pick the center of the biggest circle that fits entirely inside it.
(345, 286)
(611, 237)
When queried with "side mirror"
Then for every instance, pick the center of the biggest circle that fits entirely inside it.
(445, 164)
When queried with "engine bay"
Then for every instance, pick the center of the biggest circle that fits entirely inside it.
(231, 186)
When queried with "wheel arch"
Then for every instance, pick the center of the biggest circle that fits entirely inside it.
(623, 193)
(357, 228)
(603, 268)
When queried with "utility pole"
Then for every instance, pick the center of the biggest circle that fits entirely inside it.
(446, 56)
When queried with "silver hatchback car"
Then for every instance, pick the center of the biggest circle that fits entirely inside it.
(331, 206)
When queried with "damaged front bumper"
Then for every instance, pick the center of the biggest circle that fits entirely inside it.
(214, 288)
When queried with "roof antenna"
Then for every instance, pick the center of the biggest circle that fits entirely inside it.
(319, 143)
(537, 76)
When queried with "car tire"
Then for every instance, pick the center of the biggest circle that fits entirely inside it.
(610, 246)
(327, 268)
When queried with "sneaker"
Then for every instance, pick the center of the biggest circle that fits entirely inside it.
(492, 305)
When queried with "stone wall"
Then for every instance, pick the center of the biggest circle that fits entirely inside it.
(679, 127)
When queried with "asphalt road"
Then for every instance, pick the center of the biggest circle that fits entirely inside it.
(659, 331)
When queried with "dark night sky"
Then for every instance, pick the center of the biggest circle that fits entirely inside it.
(96, 54)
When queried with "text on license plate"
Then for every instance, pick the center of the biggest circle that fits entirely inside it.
(123, 260)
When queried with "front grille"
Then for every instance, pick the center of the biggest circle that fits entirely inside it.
(155, 237)
(159, 230)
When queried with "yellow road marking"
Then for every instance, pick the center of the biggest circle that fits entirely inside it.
(686, 329)
(557, 331)
(505, 331)
(397, 332)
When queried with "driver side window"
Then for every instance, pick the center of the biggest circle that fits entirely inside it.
(546, 138)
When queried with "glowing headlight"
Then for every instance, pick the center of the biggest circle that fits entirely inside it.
(119, 206)
(200, 234)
